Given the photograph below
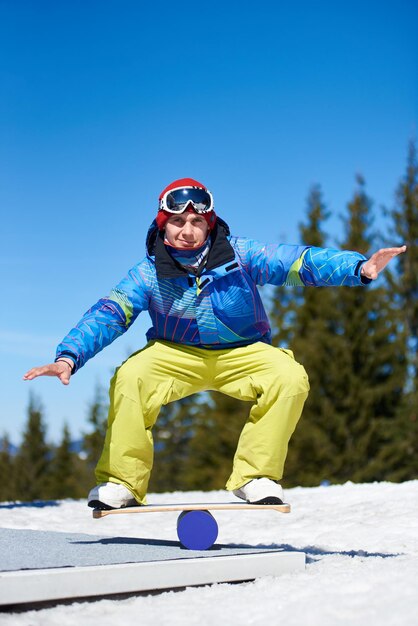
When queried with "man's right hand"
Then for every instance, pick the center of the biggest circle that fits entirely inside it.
(61, 369)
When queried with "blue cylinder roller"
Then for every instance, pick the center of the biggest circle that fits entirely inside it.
(197, 530)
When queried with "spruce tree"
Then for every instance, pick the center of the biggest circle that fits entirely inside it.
(350, 342)
(216, 428)
(195, 441)
(7, 481)
(371, 365)
(405, 218)
(97, 418)
(64, 471)
(403, 455)
(33, 459)
(172, 434)
(308, 328)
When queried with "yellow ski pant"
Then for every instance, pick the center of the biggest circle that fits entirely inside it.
(164, 372)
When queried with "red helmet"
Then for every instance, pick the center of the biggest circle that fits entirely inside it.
(185, 194)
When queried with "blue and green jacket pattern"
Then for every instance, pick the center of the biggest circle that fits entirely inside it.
(220, 308)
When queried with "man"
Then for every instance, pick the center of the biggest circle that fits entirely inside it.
(209, 332)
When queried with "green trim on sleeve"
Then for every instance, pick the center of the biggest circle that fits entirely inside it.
(293, 278)
(123, 301)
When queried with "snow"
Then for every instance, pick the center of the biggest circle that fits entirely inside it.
(361, 543)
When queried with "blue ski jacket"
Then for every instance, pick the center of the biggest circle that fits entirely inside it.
(216, 309)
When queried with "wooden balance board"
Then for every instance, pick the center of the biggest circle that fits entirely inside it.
(197, 528)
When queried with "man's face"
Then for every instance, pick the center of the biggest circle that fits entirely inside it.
(186, 230)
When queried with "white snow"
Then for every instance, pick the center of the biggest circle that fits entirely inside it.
(361, 543)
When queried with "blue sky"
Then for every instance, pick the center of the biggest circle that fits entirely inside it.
(104, 102)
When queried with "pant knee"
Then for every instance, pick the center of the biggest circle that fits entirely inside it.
(295, 381)
(291, 382)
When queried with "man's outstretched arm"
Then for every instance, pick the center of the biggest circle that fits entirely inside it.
(108, 319)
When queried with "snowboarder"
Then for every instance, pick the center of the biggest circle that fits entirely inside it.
(209, 331)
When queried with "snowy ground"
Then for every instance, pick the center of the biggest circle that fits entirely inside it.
(361, 543)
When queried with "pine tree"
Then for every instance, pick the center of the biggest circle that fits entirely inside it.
(403, 455)
(97, 418)
(349, 341)
(172, 435)
(308, 328)
(405, 217)
(64, 471)
(195, 440)
(7, 486)
(372, 364)
(33, 459)
(286, 301)
(216, 429)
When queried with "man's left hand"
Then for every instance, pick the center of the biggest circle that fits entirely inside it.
(378, 261)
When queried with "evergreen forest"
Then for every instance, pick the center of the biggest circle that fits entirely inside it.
(359, 346)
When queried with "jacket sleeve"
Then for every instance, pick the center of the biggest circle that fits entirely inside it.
(109, 318)
(300, 265)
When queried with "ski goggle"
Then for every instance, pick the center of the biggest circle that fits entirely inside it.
(177, 200)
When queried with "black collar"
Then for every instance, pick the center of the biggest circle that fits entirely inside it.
(220, 252)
